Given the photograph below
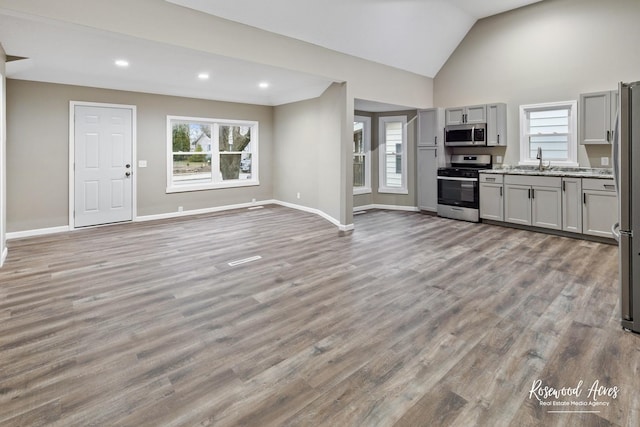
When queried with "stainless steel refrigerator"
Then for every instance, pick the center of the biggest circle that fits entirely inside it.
(626, 155)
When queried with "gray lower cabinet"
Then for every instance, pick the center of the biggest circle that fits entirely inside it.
(572, 205)
(427, 178)
(491, 197)
(533, 200)
(599, 207)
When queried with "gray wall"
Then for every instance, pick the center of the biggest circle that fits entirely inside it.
(375, 197)
(308, 144)
(38, 151)
(549, 51)
(204, 33)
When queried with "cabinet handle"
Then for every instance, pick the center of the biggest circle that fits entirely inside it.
(528, 193)
(584, 198)
(498, 142)
(609, 187)
(435, 140)
(608, 139)
(435, 153)
(564, 186)
(533, 193)
(490, 179)
(500, 191)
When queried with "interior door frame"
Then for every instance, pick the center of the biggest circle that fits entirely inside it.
(72, 145)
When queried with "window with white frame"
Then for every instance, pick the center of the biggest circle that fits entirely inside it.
(361, 155)
(552, 129)
(211, 153)
(392, 149)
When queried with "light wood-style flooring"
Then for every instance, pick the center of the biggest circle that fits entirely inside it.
(410, 320)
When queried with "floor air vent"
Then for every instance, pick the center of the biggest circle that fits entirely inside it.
(244, 261)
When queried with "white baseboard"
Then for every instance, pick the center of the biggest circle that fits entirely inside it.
(3, 257)
(387, 207)
(318, 212)
(37, 232)
(169, 215)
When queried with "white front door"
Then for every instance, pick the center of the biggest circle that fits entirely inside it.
(103, 155)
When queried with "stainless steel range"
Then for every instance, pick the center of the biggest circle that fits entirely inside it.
(458, 186)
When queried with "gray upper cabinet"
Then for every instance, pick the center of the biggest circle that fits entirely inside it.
(473, 114)
(430, 127)
(497, 124)
(597, 117)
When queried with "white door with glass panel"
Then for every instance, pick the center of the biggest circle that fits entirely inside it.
(103, 153)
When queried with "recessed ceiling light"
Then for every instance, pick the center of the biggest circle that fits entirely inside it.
(203, 76)
(263, 85)
(122, 63)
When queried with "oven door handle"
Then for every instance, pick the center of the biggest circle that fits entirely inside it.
(455, 178)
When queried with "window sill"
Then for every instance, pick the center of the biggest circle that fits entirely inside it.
(210, 186)
(360, 190)
(387, 190)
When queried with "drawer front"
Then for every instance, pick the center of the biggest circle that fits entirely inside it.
(598, 184)
(538, 181)
(492, 178)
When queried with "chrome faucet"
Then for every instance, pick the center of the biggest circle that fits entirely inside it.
(541, 166)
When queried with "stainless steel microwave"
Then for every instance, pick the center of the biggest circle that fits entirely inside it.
(465, 135)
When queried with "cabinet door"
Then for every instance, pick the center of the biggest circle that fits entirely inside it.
(476, 114)
(454, 116)
(599, 212)
(517, 204)
(496, 124)
(595, 118)
(491, 202)
(572, 205)
(546, 207)
(430, 126)
(428, 178)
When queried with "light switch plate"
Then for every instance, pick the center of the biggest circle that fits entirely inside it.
(604, 161)
(498, 159)
(142, 163)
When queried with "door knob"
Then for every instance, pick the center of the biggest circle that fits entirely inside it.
(128, 174)
(127, 166)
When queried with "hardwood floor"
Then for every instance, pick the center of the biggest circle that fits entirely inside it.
(410, 320)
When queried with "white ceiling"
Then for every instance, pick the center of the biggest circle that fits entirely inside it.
(69, 54)
(413, 35)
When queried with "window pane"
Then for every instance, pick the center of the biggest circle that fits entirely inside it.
(191, 168)
(191, 137)
(393, 150)
(549, 131)
(358, 141)
(235, 152)
(394, 170)
(234, 138)
(359, 171)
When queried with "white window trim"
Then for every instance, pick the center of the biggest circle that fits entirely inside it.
(572, 149)
(382, 187)
(367, 155)
(179, 188)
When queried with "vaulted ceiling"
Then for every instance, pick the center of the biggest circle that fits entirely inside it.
(414, 35)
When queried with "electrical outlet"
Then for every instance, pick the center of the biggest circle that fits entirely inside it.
(604, 161)
(298, 195)
(179, 208)
(142, 163)
(498, 159)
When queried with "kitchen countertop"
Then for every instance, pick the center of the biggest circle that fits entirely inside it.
(603, 173)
